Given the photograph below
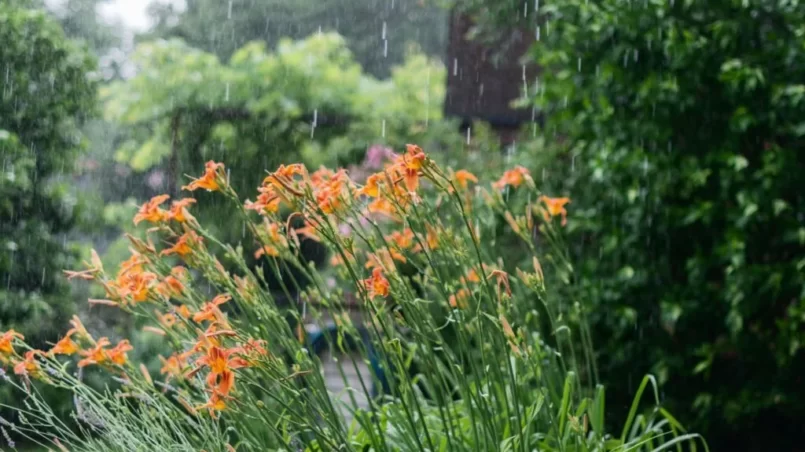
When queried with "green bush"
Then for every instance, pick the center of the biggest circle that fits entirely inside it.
(681, 124)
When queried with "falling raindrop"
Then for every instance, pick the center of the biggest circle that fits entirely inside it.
(636, 54)
(383, 33)
(385, 48)
(455, 66)
(427, 97)
(525, 9)
(536, 5)
(226, 93)
(315, 122)
(537, 34)
(469, 134)
(383, 129)
(229, 10)
(579, 65)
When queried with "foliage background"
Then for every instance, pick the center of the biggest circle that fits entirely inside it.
(679, 130)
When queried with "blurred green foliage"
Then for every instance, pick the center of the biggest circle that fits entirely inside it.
(377, 33)
(307, 101)
(678, 132)
(46, 94)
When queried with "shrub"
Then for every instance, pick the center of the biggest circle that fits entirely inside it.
(460, 358)
(681, 124)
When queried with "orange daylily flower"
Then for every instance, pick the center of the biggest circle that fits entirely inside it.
(170, 287)
(183, 311)
(179, 210)
(330, 193)
(215, 403)
(65, 346)
(403, 240)
(287, 172)
(118, 354)
(167, 320)
(267, 250)
(555, 207)
(210, 180)
(182, 247)
(276, 241)
(463, 178)
(383, 258)
(206, 340)
(414, 157)
(431, 239)
(411, 178)
(472, 275)
(174, 366)
(377, 284)
(268, 201)
(255, 347)
(337, 260)
(221, 362)
(459, 299)
(210, 311)
(97, 355)
(382, 206)
(7, 341)
(514, 177)
(372, 187)
(309, 231)
(100, 355)
(151, 211)
(132, 282)
(28, 366)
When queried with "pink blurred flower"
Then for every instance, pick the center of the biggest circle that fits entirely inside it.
(376, 156)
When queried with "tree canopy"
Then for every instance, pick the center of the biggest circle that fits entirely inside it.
(378, 33)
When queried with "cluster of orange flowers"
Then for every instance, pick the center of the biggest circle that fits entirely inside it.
(220, 362)
(153, 212)
(97, 354)
(318, 198)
